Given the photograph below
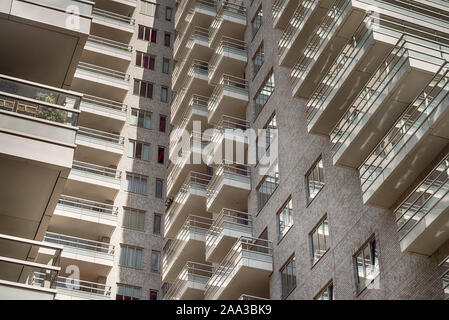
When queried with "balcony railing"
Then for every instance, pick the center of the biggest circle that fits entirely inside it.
(321, 35)
(405, 128)
(96, 172)
(423, 198)
(110, 45)
(277, 8)
(198, 33)
(226, 46)
(445, 278)
(114, 18)
(87, 207)
(229, 83)
(84, 7)
(197, 273)
(231, 9)
(296, 23)
(244, 248)
(39, 101)
(251, 298)
(104, 105)
(80, 245)
(101, 137)
(103, 73)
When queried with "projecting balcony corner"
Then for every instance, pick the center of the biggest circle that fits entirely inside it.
(107, 53)
(230, 58)
(96, 111)
(195, 47)
(109, 24)
(230, 21)
(195, 12)
(282, 11)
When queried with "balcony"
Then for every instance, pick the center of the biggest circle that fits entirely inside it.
(190, 283)
(91, 181)
(230, 57)
(101, 113)
(107, 24)
(349, 73)
(37, 143)
(190, 198)
(282, 11)
(93, 257)
(445, 278)
(230, 21)
(87, 218)
(417, 137)
(198, 12)
(19, 260)
(40, 44)
(123, 7)
(230, 97)
(229, 188)
(196, 46)
(423, 217)
(189, 244)
(181, 12)
(99, 146)
(226, 229)
(246, 268)
(107, 53)
(405, 72)
(104, 82)
(305, 18)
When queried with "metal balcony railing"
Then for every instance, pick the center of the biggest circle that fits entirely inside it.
(83, 206)
(405, 127)
(445, 278)
(230, 83)
(227, 8)
(101, 137)
(103, 73)
(226, 46)
(278, 7)
(198, 33)
(423, 198)
(244, 248)
(197, 273)
(112, 17)
(84, 7)
(96, 171)
(83, 245)
(108, 106)
(110, 45)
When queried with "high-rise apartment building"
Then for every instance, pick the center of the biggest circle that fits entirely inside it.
(353, 97)
(84, 109)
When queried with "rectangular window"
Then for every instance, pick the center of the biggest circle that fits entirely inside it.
(139, 150)
(285, 219)
(130, 256)
(263, 94)
(164, 94)
(168, 13)
(256, 22)
(288, 277)
(266, 189)
(160, 155)
(136, 183)
(155, 261)
(327, 293)
(140, 118)
(148, 8)
(258, 59)
(133, 219)
(125, 292)
(147, 33)
(159, 188)
(167, 39)
(366, 264)
(153, 295)
(320, 240)
(314, 180)
(157, 224)
(166, 66)
(145, 60)
(264, 141)
(162, 123)
(143, 88)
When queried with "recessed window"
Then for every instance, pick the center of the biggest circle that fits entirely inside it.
(258, 59)
(257, 21)
(136, 183)
(148, 8)
(288, 277)
(134, 219)
(155, 261)
(143, 88)
(168, 13)
(263, 94)
(320, 240)
(145, 60)
(153, 295)
(315, 180)
(130, 256)
(164, 94)
(160, 155)
(285, 219)
(167, 39)
(266, 188)
(327, 293)
(157, 224)
(264, 141)
(166, 66)
(159, 188)
(147, 33)
(367, 265)
(139, 150)
(162, 123)
(140, 118)
(125, 292)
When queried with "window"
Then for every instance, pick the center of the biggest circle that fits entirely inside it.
(130, 256)
(258, 59)
(320, 240)
(140, 118)
(133, 219)
(285, 219)
(327, 293)
(147, 33)
(288, 277)
(159, 188)
(167, 39)
(157, 223)
(168, 13)
(264, 93)
(266, 189)
(366, 264)
(314, 180)
(136, 183)
(143, 88)
(153, 295)
(162, 123)
(148, 8)
(139, 150)
(155, 261)
(125, 292)
(160, 155)
(164, 94)
(257, 21)
(145, 60)
(264, 141)
(166, 66)
(165, 287)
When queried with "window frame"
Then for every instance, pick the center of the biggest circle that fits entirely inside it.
(326, 239)
(128, 210)
(126, 247)
(310, 199)
(286, 293)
